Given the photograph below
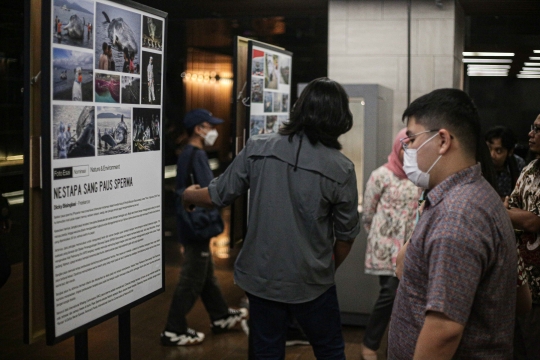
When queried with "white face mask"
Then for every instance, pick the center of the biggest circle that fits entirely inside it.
(410, 166)
(210, 137)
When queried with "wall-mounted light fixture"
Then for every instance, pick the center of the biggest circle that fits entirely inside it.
(207, 77)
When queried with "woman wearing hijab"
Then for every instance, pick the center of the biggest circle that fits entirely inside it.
(390, 203)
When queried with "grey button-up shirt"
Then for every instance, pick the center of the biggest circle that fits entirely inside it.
(294, 215)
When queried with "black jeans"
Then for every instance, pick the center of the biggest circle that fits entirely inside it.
(196, 279)
(319, 318)
(378, 321)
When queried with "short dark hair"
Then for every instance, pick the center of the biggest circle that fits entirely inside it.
(508, 139)
(452, 109)
(104, 46)
(321, 113)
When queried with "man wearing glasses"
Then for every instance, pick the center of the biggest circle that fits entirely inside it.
(458, 288)
(524, 210)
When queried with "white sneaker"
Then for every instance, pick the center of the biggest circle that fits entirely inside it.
(190, 337)
(233, 317)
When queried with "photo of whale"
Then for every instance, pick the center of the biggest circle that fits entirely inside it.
(146, 129)
(122, 30)
(107, 88)
(113, 130)
(152, 33)
(72, 23)
(73, 131)
(72, 75)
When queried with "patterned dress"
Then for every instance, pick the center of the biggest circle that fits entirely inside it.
(526, 196)
(390, 205)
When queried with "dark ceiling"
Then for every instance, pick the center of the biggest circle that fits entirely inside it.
(501, 7)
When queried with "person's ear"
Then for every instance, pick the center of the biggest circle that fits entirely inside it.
(446, 140)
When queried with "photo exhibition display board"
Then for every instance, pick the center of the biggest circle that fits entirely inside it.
(102, 160)
(269, 88)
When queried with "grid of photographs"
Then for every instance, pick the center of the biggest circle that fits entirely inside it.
(270, 90)
(106, 70)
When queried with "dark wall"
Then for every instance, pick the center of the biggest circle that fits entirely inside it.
(507, 101)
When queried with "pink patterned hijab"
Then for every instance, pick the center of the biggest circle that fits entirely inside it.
(394, 164)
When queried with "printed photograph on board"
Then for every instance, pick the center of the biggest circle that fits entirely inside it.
(151, 78)
(131, 87)
(282, 120)
(152, 33)
(122, 30)
(277, 102)
(256, 125)
(285, 103)
(257, 63)
(146, 129)
(256, 90)
(73, 131)
(113, 130)
(72, 75)
(268, 102)
(271, 124)
(271, 72)
(72, 23)
(107, 88)
(285, 70)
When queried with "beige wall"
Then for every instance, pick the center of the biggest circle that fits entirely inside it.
(367, 43)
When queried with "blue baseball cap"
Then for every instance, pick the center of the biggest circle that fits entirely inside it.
(198, 116)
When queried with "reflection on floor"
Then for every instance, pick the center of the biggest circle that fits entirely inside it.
(147, 321)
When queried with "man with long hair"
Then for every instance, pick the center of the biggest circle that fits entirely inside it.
(303, 219)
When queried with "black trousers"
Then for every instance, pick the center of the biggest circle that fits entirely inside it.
(380, 317)
(196, 279)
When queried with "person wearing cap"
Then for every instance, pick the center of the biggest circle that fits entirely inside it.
(197, 273)
(303, 219)
(150, 71)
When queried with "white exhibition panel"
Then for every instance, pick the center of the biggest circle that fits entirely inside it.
(270, 85)
(106, 159)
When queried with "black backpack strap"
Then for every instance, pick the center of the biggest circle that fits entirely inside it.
(190, 176)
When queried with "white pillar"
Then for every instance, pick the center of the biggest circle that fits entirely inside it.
(367, 44)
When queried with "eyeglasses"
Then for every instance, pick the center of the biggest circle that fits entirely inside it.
(535, 129)
(405, 141)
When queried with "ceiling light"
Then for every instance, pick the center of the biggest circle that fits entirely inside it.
(529, 72)
(536, 51)
(532, 64)
(466, 53)
(493, 61)
(531, 68)
(486, 74)
(528, 76)
(534, 58)
(480, 66)
(488, 71)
